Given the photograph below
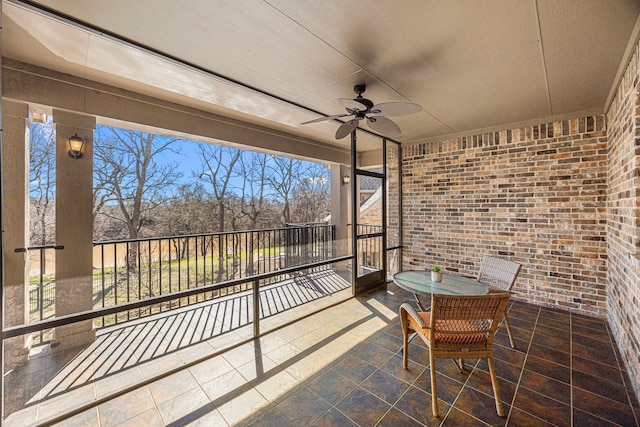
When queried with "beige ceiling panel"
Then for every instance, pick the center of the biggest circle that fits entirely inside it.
(250, 42)
(113, 63)
(158, 77)
(470, 64)
(454, 36)
(363, 34)
(575, 42)
(420, 126)
(36, 39)
(408, 41)
(501, 90)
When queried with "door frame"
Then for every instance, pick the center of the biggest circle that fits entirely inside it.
(377, 278)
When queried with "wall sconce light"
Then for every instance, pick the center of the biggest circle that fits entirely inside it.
(346, 179)
(75, 146)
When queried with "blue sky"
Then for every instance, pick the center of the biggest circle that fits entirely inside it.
(188, 161)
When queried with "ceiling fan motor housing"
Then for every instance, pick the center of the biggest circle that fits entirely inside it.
(365, 102)
(362, 108)
(359, 90)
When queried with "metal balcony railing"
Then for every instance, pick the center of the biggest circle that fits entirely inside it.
(370, 246)
(135, 269)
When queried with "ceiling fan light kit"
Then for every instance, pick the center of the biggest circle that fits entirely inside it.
(374, 114)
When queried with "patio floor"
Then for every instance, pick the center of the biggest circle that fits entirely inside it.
(342, 367)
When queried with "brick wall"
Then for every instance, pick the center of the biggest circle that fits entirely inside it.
(623, 219)
(561, 198)
(535, 195)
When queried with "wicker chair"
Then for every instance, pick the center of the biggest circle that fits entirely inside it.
(457, 327)
(500, 275)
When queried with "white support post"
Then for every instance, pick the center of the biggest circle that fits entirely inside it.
(74, 229)
(16, 119)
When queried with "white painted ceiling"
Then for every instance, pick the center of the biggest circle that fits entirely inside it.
(472, 65)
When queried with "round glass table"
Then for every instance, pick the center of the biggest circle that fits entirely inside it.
(420, 283)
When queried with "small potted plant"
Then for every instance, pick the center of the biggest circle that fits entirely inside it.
(436, 274)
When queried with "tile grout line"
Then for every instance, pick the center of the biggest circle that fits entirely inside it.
(334, 406)
(411, 384)
(524, 363)
(393, 405)
(460, 393)
(571, 367)
(623, 377)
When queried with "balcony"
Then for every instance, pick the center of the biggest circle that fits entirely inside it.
(321, 357)
(535, 158)
(127, 271)
(339, 366)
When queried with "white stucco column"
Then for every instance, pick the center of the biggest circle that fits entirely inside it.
(74, 229)
(16, 119)
(340, 208)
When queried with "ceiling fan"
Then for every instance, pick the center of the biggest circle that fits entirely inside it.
(375, 114)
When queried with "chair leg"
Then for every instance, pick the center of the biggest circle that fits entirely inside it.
(459, 364)
(496, 389)
(508, 326)
(405, 347)
(434, 388)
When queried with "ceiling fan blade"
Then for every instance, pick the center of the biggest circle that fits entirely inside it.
(383, 125)
(322, 119)
(352, 104)
(394, 109)
(346, 128)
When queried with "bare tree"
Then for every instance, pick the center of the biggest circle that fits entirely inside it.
(311, 196)
(42, 159)
(251, 203)
(253, 191)
(282, 176)
(217, 170)
(105, 227)
(127, 174)
(187, 212)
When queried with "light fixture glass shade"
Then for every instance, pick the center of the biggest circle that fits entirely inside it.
(346, 179)
(75, 146)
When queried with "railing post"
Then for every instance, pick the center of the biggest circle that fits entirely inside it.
(41, 290)
(291, 246)
(256, 308)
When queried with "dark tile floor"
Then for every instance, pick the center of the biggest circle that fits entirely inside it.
(343, 367)
(565, 371)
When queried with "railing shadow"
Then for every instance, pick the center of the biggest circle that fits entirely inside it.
(262, 375)
(120, 348)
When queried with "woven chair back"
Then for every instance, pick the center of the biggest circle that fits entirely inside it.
(498, 273)
(465, 323)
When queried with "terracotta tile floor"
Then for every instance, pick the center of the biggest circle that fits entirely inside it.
(343, 367)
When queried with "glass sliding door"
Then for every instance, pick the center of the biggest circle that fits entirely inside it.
(370, 231)
(377, 223)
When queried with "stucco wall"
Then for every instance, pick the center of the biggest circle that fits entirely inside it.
(623, 220)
